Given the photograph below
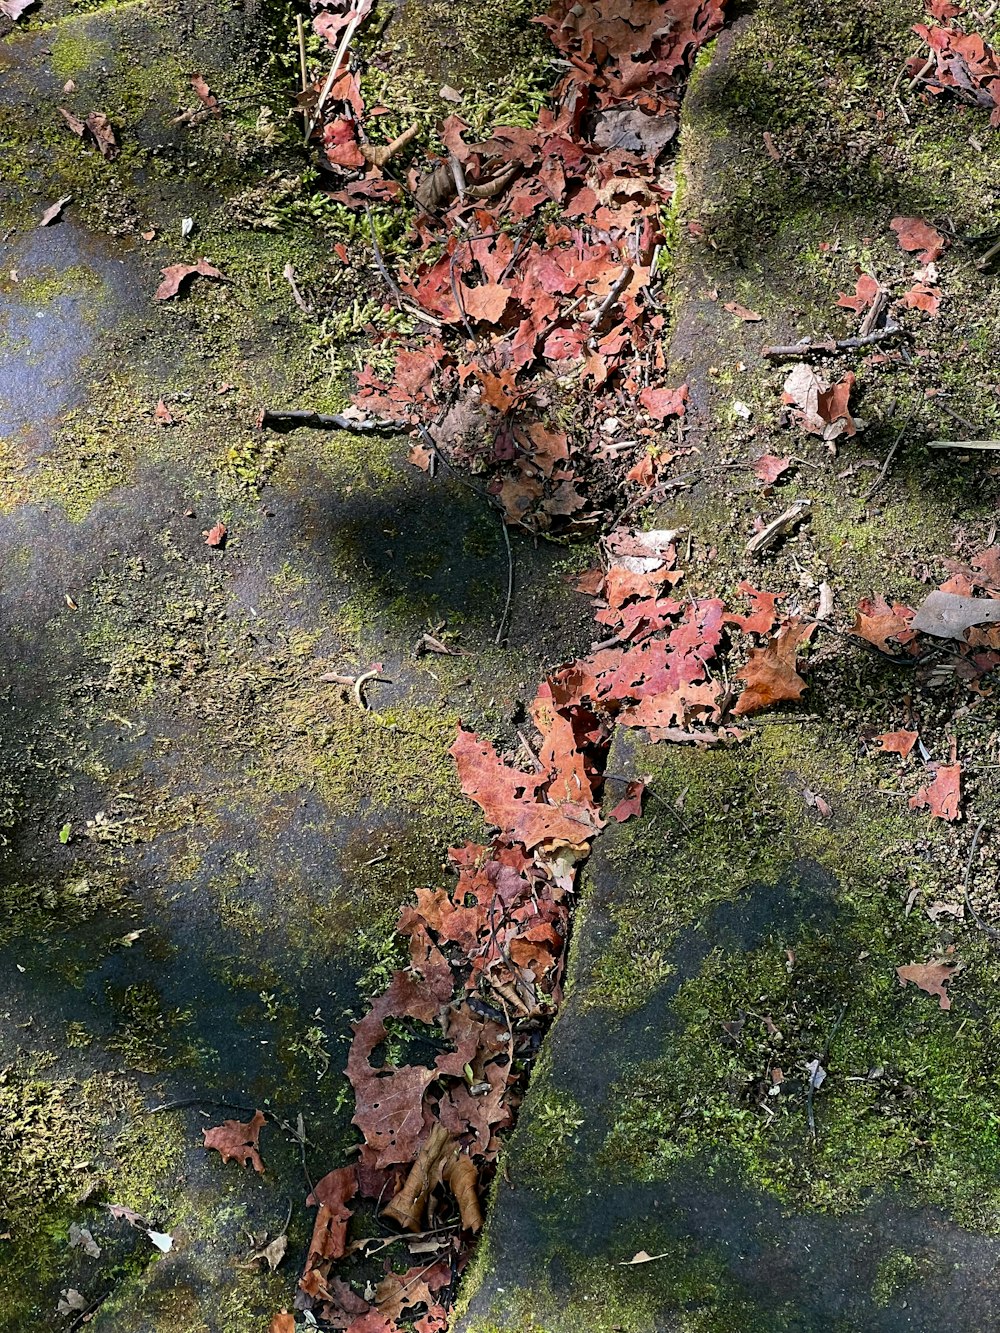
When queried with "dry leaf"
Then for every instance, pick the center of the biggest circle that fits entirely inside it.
(175, 276)
(930, 977)
(236, 1140)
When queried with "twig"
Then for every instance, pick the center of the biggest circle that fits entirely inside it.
(510, 581)
(303, 68)
(922, 73)
(790, 351)
(345, 41)
(990, 930)
(822, 1062)
(294, 418)
(963, 444)
(889, 457)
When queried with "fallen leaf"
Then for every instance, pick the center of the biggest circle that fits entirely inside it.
(943, 795)
(237, 1140)
(163, 414)
(15, 8)
(96, 127)
(129, 1215)
(54, 211)
(930, 977)
(81, 1238)
(217, 535)
(947, 615)
(270, 1253)
(914, 234)
(663, 403)
(898, 742)
(865, 291)
(922, 296)
(175, 276)
(163, 1242)
(630, 804)
(741, 312)
(71, 1301)
(641, 1257)
(769, 467)
(770, 673)
(877, 622)
(282, 1323)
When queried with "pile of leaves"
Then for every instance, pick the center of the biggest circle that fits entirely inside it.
(536, 258)
(961, 63)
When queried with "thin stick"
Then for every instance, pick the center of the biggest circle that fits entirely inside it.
(510, 580)
(345, 41)
(790, 350)
(303, 68)
(889, 457)
(293, 418)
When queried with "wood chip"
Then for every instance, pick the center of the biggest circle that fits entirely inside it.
(781, 527)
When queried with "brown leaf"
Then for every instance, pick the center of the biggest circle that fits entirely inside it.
(282, 1323)
(236, 1140)
(487, 302)
(217, 536)
(630, 804)
(865, 291)
(163, 414)
(205, 93)
(331, 1195)
(914, 234)
(461, 1178)
(663, 403)
(942, 796)
(898, 742)
(175, 276)
(54, 211)
(770, 673)
(877, 623)
(15, 8)
(922, 296)
(741, 312)
(930, 977)
(769, 467)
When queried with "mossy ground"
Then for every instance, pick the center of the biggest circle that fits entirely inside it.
(205, 845)
(734, 930)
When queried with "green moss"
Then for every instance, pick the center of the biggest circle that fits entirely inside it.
(801, 967)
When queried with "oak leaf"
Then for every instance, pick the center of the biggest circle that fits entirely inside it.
(943, 795)
(915, 234)
(865, 291)
(929, 977)
(331, 1195)
(663, 403)
(237, 1140)
(770, 673)
(877, 622)
(769, 467)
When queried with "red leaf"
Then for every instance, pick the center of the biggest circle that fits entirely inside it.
(175, 276)
(217, 536)
(630, 804)
(663, 403)
(898, 742)
(923, 297)
(236, 1140)
(761, 619)
(865, 291)
(770, 673)
(331, 1195)
(914, 234)
(942, 796)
